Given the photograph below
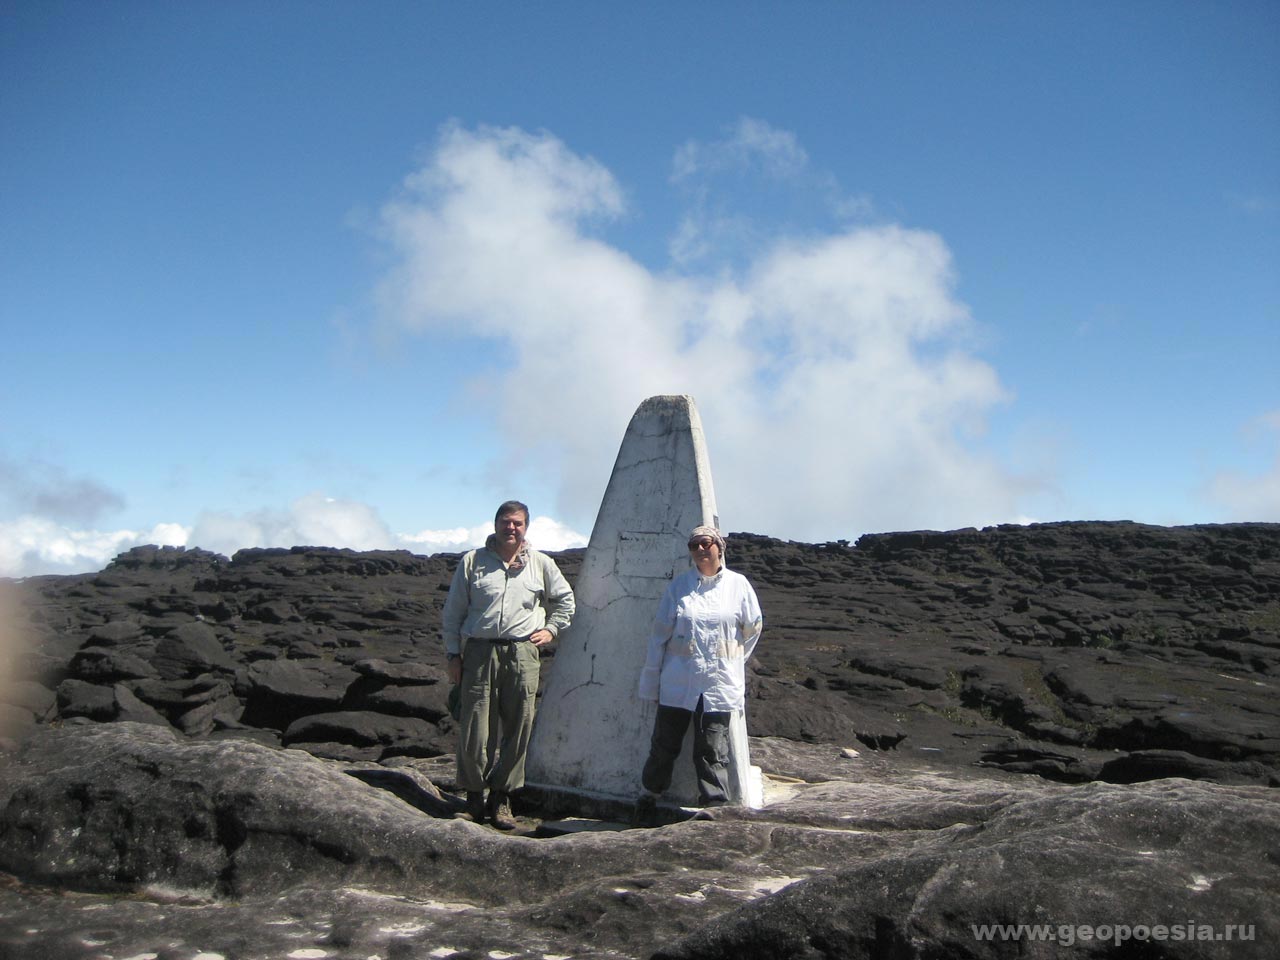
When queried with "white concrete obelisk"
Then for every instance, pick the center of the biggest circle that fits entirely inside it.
(592, 732)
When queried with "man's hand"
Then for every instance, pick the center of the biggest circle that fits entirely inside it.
(540, 638)
(454, 667)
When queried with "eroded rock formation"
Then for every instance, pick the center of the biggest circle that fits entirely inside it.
(250, 757)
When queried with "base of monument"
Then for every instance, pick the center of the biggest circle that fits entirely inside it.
(555, 802)
(663, 816)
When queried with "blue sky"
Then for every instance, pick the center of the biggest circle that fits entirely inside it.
(351, 274)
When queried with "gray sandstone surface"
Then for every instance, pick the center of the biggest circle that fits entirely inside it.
(1064, 725)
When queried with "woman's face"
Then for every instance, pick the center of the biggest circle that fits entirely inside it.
(706, 555)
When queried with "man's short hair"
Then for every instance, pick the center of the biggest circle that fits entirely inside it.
(512, 506)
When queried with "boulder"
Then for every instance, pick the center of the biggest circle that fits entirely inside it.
(400, 674)
(273, 611)
(105, 704)
(282, 691)
(79, 698)
(114, 633)
(208, 712)
(191, 649)
(360, 728)
(171, 697)
(1163, 764)
(108, 665)
(426, 701)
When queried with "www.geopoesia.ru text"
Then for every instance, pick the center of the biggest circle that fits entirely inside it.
(1068, 934)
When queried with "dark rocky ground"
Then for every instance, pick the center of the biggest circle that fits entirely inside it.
(1063, 723)
(1078, 651)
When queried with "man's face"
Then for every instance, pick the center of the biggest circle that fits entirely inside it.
(511, 527)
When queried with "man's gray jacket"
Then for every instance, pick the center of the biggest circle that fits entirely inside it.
(490, 601)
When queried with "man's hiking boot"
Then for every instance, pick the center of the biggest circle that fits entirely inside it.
(498, 811)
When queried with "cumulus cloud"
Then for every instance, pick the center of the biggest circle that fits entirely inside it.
(454, 540)
(32, 545)
(311, 520)
(544, 533)
(548, 534)
(1252, 497)
(831, 371)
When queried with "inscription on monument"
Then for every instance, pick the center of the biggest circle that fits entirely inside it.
(644, 554)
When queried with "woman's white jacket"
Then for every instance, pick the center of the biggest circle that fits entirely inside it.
(705, 630)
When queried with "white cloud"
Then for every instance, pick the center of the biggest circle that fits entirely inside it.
(455, 540)
(749, 143)
(831, 371)
(548, 534)
(312, 520)
(544, 534)
(773, 181)
(323, 521)
(32, 546)
(1252, 497)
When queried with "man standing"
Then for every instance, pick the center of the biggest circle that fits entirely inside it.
(505, 602)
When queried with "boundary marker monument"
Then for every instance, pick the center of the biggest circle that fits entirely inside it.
(591, 735)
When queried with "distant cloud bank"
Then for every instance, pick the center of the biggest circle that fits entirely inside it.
(33, 546)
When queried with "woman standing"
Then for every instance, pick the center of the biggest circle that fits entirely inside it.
(707, 625)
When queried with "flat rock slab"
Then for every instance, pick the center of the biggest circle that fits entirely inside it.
(233, 848)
